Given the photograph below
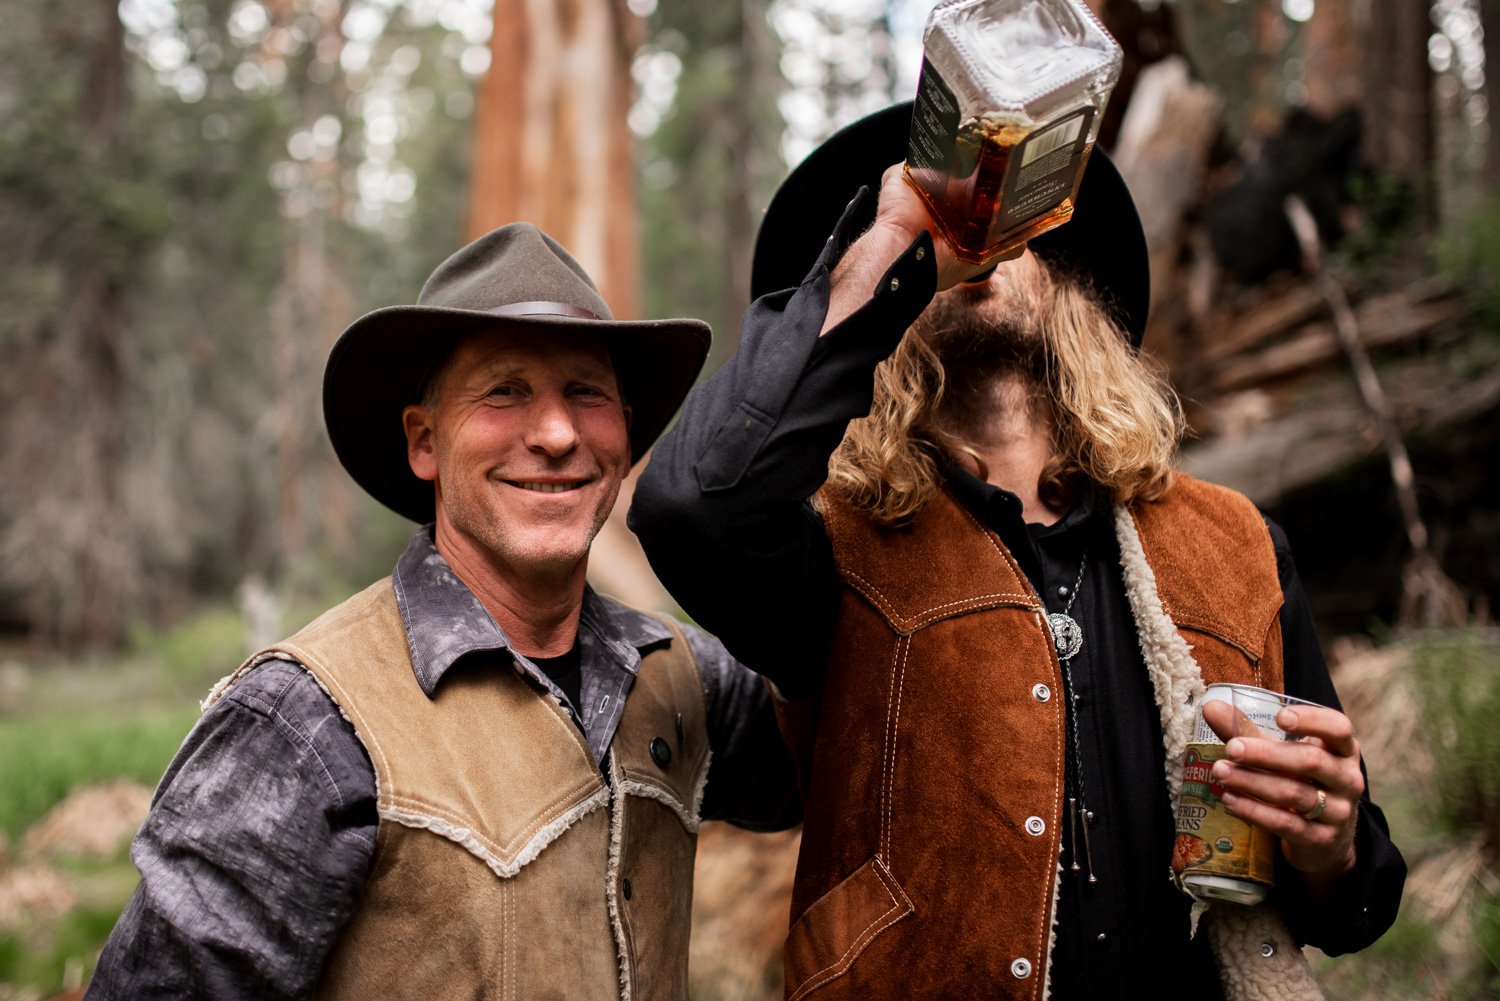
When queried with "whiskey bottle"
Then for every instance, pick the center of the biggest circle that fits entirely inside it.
(1007, 110)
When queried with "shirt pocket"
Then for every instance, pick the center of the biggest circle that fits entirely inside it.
(722, 464)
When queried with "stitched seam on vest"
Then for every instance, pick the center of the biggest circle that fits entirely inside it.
(916, 620)
(892, 730)
(467, 839)
(1047, 926)
(992, 539)
(1210, 628)
(508, 946)
(526, 833)
(899, 903)
(650, 790)
(926, 616)
(1205, 622)
(612, 879)
(525, 846)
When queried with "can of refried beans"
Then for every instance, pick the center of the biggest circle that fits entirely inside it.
(1218, 856)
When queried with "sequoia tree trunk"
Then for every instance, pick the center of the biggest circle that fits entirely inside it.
(551, 144)
(1331, 68)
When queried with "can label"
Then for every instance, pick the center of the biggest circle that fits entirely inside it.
(1210, 840)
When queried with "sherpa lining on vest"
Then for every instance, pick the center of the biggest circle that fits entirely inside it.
(1258, 959)
(690, 817)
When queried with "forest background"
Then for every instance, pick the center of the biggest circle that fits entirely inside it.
(197, 196)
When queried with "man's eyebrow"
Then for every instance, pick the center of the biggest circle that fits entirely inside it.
(502, 369)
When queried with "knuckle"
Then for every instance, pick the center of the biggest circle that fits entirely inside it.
(1308, 757)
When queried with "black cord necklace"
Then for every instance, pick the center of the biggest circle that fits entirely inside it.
(1067, 636)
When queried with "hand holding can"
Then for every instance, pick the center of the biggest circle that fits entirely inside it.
(1305, 792)
(1219, 853)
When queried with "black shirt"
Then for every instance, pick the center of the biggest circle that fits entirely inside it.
(566, 672)
(723, 513)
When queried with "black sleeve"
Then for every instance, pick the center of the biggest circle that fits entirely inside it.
(1364, 902)
(752, 782)
(254, 854)
(722, 509)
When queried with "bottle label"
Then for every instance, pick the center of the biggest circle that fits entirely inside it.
(934, 127)
(1044, 167)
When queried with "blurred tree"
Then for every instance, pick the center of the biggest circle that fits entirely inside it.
(75, 222)
(710, 134)
(551, 145)
(1489, 23)
(1332, 78)
(1399, 135)
(179, 262)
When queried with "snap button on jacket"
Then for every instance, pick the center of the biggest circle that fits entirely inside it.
(924, 874)
(502, 856)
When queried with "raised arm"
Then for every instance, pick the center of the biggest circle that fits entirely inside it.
(722, 509)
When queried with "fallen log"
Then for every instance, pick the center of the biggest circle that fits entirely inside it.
(1383, 321)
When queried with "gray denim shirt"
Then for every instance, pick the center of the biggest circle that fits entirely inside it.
(262, 831)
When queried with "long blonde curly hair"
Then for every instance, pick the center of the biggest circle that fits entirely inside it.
(1115, 419)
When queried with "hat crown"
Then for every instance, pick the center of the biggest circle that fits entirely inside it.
(514, 264)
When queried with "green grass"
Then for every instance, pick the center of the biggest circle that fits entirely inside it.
(45, 957)
(1469, 253)
(44, 758)
(1406, 962)
(1459, 688)
(198, 649)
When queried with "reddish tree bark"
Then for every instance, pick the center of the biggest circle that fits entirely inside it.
(1332, 67)
(551, 144)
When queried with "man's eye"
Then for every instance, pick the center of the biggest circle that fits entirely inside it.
(503, 391)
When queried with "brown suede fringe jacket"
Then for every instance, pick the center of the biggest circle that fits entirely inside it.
(504, 862)
(918, 878)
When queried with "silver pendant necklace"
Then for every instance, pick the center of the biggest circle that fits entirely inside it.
(1067, 636)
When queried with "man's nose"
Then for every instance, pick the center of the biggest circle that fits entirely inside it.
(552, 429)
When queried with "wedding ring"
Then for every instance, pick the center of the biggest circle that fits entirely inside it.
(1317, 811)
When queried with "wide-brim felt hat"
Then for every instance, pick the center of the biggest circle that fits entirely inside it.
(1103, 243)
(515, 278)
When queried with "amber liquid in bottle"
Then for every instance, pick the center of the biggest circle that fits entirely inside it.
(972, 211)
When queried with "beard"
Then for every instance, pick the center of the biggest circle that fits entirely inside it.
(982, 336)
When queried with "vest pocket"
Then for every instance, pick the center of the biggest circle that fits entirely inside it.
(831, 934)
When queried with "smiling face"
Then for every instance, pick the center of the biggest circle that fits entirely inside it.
(525, 436)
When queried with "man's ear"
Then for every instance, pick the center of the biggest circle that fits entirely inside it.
(418, 424)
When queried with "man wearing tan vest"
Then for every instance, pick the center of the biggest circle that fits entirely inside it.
(477, 778)
(939, 510)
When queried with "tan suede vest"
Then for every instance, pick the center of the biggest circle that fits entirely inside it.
(505, 867)
(920, 877)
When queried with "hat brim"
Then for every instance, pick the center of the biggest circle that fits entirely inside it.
(382, 362)
(1103, 242)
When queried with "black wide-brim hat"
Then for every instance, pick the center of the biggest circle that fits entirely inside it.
(514, 278)
(1103, 242)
